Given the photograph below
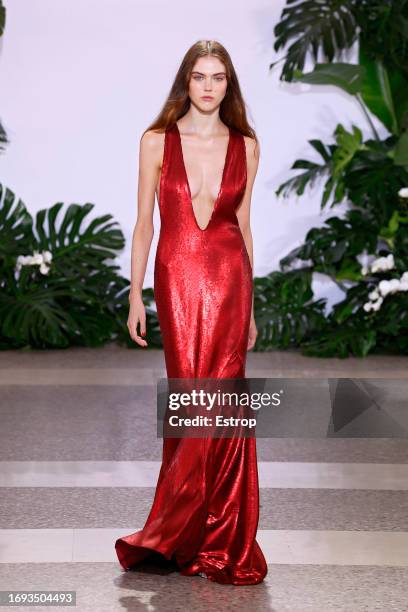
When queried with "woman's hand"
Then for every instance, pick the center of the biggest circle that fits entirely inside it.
(137, 314)
(253, 332)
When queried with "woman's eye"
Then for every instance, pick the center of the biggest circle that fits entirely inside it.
(199, 78)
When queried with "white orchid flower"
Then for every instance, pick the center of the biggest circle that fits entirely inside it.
(403, 192)
(44, 268)
(374, 295)
(383, 264)
(36, 259)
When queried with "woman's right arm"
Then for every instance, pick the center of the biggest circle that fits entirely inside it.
(150, 159)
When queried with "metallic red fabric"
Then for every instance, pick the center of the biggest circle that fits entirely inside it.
(206, 506)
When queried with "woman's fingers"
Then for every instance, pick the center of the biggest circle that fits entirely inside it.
(143, 326)
(132, 326)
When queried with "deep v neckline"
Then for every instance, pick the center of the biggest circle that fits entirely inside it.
(187, 184)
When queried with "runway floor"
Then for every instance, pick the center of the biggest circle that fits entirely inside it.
(79, 459)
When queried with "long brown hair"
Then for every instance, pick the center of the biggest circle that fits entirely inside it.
(232, 108)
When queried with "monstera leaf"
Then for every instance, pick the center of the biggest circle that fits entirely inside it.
(3, 138)
(327, 28)
(15, 226)
(74, 246)
(315, 27)
(69, 301)
(332, 249)
(285, 311)
(2, 18)
(373, 179)
(34, 314)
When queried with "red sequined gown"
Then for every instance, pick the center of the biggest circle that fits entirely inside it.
(206, 506)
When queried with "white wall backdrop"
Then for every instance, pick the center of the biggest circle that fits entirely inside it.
(81, 79)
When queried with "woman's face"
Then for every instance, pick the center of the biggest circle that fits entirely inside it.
(208, 83)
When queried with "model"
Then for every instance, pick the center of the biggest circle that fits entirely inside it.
(200, 156)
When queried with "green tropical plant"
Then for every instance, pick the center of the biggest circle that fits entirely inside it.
(3, 138)
(2, 17)
(367, 175)
(331, 27)
(286, 313)
(77, 297)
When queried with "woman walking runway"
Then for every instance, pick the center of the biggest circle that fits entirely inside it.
(205, 511)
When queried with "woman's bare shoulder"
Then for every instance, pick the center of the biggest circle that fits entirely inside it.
(152, 144)
(252, 154)
(152, 139)
(252, 146)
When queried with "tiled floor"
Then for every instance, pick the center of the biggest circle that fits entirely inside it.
(79, 460)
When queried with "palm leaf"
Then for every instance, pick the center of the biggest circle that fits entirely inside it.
(313, 170)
